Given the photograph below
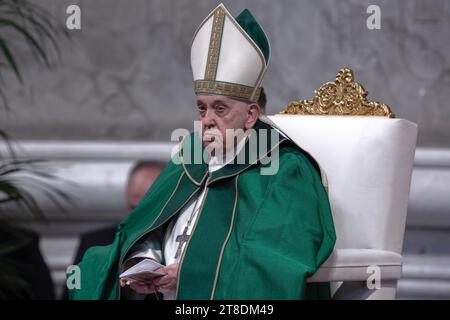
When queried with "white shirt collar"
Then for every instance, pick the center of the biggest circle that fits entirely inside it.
(215, 164)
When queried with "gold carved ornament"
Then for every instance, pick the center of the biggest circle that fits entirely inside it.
(344, 96)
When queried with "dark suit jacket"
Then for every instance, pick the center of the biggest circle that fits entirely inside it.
(27, 264)
(100, 237)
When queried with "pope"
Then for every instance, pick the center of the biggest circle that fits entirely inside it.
(250, 219)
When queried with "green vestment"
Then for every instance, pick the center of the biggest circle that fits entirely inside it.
(256, 237)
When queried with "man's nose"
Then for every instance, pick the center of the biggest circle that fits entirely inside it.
(208, 120)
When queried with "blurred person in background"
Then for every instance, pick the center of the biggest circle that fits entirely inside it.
(140, 178)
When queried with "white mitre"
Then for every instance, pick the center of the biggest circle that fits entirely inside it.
(229, 55)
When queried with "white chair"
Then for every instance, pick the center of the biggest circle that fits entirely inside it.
(367, 159)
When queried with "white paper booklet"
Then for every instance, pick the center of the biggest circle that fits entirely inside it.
(142, 271)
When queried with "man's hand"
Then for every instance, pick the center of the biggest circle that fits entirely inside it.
(153, 284)
(145, 286)
(169, 280)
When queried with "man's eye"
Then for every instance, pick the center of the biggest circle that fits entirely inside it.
(201, 110)
(220, 108)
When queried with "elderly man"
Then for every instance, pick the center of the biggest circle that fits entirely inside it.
(240, 211)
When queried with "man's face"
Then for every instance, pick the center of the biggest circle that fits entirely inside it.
(139, 182)
(219, 113)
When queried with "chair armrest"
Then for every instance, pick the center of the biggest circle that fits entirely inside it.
(352, 264)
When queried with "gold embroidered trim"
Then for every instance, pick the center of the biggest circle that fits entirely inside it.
(226, 89)
(187, 244)
(214, 44)
(151, 226)
(342, 97)
(239, 172)
(180, 154)
(213, 291)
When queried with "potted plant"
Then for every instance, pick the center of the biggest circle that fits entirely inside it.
(40, 32)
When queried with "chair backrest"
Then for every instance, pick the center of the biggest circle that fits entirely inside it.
(366, 155)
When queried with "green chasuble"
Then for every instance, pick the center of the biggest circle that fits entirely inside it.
(257, 236)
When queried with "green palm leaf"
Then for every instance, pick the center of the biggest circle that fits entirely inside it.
(40, 32)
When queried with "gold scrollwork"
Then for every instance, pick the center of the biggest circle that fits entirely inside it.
(344, 96)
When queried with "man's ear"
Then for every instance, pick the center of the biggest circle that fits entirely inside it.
(253, 112)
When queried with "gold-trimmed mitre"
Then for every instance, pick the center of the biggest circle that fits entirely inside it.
(229, 55)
